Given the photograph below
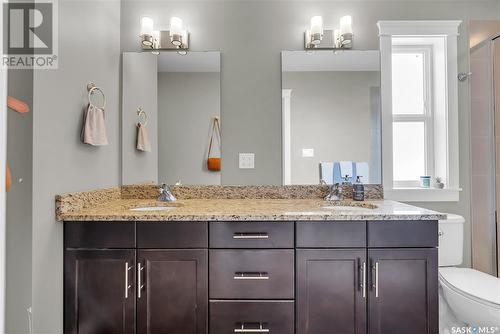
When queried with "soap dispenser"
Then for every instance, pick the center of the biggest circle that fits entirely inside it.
(358, 190)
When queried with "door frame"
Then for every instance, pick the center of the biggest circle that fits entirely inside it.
(3, 158)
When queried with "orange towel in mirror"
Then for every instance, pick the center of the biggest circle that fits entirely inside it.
(8, 179)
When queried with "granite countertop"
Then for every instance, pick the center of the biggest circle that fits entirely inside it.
(248, 209)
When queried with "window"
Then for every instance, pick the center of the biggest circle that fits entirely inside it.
(419, 98)
(412, 115)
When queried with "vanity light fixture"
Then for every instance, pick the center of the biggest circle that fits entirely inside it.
(316, 37)
(147, 32)
(175, 39)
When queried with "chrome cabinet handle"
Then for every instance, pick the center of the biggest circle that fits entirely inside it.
(127, 285)
(375, 279)
(251, 276)
(258, 235)
(140, 268)
(242, 329)
(363, 279)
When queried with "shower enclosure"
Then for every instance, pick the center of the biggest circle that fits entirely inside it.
(484, 81)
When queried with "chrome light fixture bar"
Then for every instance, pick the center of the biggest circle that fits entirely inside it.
(175, 39)
(318, 38)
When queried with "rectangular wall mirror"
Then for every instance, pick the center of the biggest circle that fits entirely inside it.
(331, 116)
(175, 98)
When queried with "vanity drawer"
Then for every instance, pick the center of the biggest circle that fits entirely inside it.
(402, 233)
(251, 274)
(338, 234)
(99, 235)
(251, 235)
(275, 317)
(172, 235)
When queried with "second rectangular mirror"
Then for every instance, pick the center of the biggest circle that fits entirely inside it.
(331, 118)
(175, 99)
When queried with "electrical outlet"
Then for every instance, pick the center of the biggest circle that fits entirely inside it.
(247, 160)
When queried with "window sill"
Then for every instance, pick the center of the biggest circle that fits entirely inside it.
(423, 194)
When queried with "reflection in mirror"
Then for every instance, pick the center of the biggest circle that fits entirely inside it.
(180, 94)
(331, 117)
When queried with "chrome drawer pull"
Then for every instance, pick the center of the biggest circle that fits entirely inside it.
(260, 329)
(239, 235)
(251, 276)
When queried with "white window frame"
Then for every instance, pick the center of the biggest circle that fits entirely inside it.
(448, 31)
(427, 118)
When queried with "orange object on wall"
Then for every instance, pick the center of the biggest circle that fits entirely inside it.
(20, 107)
(8, 178)
(17, 105)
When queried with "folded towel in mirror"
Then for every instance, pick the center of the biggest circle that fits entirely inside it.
(143, 143)
(363, 171)
(94, 127)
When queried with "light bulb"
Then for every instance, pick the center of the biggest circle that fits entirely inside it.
(317, 25)
(346, 25)
(146, 26)
(175, 26)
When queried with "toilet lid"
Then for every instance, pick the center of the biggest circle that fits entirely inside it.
(473, 282)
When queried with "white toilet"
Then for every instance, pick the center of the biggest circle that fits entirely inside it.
(473, 296)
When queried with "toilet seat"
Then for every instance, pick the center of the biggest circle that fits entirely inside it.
(472, 284)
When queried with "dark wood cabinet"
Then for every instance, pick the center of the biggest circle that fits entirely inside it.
(99, 292)
(172, 297)
(350, 277)
(403, 294)
(331, 291)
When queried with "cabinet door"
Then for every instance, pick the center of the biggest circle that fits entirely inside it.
(173, 293)
(403, 294)
(99, 292)
(331, 291)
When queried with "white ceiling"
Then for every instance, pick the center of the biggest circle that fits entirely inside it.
(315, 61)
(191, 62)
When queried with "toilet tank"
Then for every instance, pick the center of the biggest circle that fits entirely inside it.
(451, 241)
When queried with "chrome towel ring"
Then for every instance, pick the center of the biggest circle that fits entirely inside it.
(92, 89)
(141, 112)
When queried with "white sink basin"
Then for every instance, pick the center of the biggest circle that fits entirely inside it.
(153, 208)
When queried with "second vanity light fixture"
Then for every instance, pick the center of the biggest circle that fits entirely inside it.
(316, 37)
(177, 38)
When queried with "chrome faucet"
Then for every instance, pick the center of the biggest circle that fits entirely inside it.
(166, 194)
(335, 193)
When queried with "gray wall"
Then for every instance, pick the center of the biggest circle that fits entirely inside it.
(331, 113)
(187, 102)
(251, 35)
(89, 50)
(19, 199)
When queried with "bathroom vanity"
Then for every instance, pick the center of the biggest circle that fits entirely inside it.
(219, 266)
